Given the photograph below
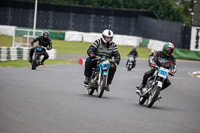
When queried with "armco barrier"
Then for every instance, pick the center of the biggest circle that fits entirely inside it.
(13, 53)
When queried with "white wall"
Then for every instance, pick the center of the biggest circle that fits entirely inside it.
(7, 30)
(91, 37)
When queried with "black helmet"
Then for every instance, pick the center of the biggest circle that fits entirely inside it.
(46, 33)
(134, 48)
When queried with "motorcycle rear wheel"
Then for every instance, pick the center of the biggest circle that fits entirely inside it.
(90, 91)
(142, 100)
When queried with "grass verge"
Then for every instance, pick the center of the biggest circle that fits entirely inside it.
(25, 63)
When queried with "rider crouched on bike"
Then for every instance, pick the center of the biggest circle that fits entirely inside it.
(167, 54)
(102, 47)
(43, 41)
(133, 53)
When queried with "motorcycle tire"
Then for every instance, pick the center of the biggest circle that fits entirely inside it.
(142, 100)
(90, 91)
(34, 64)
(102, 86)
(152, 98)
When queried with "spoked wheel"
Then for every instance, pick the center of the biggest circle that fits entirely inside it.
(102, 86)
(153, 96)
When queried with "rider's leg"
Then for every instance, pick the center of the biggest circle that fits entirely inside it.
(46, 56)
(31, 54)
(166, 84)
(89, 64)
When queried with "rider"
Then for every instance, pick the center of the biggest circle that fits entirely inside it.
(43, 41)
(102, 47)
(166, 53)
(133, 53)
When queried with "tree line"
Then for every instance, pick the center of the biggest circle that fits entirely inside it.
(171, 10)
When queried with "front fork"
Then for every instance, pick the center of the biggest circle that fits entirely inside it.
(101, 74)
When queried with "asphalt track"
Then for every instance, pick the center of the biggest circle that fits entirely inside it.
(52, 99)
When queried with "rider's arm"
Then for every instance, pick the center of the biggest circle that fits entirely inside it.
(50, 45)
(93, 48)
(35, 40)
(173, 65)
(116, 54)
(136, 54)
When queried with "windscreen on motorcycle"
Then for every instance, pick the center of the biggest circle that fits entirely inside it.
(164, 63)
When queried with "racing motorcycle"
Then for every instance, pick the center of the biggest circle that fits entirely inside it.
(130, 63)
(151, 91)
(98, 79)
(37, 56)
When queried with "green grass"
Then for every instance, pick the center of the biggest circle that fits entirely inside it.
(25, 63)
(66, 47)
(6, 41)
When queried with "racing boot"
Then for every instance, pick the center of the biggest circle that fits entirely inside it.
(87, 79)
(42, 63)
(107, 88)
(30, 60)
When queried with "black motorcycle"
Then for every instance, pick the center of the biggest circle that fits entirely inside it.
(152, 89)
(131, 63)
(36, 56)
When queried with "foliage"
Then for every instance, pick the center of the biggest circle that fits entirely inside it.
(173, 10)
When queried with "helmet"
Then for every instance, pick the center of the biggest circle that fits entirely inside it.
(134, 49)
(168, 49)
(46, 33)
(109, 34)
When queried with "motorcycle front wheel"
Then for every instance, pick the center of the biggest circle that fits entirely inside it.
(153, 96)
(34, 64)
(102, 86)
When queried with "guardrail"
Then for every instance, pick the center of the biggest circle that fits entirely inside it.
(13, 53)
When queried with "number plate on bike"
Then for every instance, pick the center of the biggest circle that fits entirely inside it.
(39, 49)
(163, 72)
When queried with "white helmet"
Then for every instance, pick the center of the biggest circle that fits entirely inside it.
(107, 33)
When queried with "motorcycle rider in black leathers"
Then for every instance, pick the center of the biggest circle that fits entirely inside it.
(102, 47)
(133, 53)
(43, 41)
(167, 54)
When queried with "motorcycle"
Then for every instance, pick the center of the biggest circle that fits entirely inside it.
(36, 56)
(98, 79)
(130, 63)
(151, 91)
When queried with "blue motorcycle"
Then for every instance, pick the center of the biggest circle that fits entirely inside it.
(130, 63)
(98, 79)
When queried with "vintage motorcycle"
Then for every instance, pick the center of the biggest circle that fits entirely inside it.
(151, 91)
(98, 79)
(37, 56)
(131, 63)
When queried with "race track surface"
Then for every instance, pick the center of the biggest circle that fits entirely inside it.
(52, 99)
